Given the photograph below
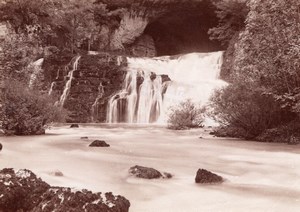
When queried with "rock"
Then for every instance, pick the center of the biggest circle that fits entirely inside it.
(74, 126)
(167, 175)
(20, 190)
(23, 191)
(57, 173)
(64, 199)
(145, 172)
(1, 146)
(143, 47)
(84, 138)
(99, 143)
(203, 176)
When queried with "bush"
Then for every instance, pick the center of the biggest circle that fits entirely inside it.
(186, 115)
(27, 112)
(246, 107)
(287, 133)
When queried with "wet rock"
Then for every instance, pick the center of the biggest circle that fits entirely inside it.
(1, 146)
(20, 190)
(57, 173)
(99, 143)
(203, 176)
(145, 172)
(23, 191)
(74, 126)
(64, 199)
(84, 138)
(167, 175)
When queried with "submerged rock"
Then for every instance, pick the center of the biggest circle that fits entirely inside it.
(57, 173)
(84, 138)
(74, 126)
(203, 176)
(99, 143)
(0, 146)
(147, 173)
(23, 191)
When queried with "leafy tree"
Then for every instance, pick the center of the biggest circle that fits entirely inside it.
(231, 15)
(186, 115)
(25, 111)
(266, 61)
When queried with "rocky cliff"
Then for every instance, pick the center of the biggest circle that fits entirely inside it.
(94, 81)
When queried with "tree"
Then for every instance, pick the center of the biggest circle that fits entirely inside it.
(231, 15)
(186, 115)
(25, 111)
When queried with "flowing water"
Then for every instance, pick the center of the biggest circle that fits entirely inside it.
(68, 83)
(259, 176)
(36, 70)
(146, 97)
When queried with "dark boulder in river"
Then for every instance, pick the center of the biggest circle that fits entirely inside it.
(99, 143)
(74, 126)
(206, 177)
(147, 173)
(22, 191)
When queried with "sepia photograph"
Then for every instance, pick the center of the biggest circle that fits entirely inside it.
(149, 105)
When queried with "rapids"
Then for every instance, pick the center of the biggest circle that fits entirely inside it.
(259, 176)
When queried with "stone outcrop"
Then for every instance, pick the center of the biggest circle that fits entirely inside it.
(143, 47)
(147, 173)
(206, 177)
(23, 191)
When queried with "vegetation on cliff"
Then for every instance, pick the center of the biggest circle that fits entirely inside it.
(264, 93)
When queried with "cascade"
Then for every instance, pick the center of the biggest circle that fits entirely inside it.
(37, 68)
(147, 98)
(68, 83)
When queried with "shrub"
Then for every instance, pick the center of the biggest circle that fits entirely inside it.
(25, 111)
(245, 106)
(186, 115)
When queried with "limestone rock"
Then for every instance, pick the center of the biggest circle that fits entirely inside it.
(147, 173)
(99, 143)
(205, 177)
(143, 47)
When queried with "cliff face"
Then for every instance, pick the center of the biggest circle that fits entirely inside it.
(176, 26)
(95, 80)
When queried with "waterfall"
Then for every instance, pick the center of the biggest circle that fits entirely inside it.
(146, 97)
(69, 83)
(37, 68)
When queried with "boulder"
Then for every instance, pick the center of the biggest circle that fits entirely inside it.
(203, 176)
(23, 191)
(147, 173)
(0, 146)
(74, 126)
(66, 199)
(99, 143)
(20, 190)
